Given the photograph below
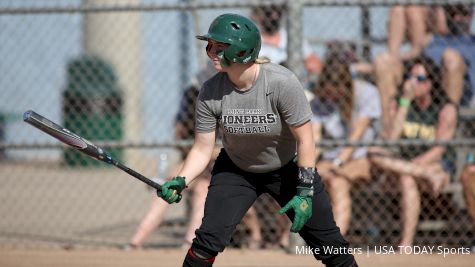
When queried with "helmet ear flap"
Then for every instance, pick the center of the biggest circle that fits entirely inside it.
(239, 54)
(223, 60)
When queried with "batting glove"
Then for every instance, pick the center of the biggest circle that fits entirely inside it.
(301, 204)
(171, 190)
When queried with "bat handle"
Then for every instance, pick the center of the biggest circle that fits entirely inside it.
(136, 175)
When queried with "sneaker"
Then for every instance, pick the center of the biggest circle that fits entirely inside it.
(131, 247)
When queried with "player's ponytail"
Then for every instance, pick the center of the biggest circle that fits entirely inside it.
(262, 60)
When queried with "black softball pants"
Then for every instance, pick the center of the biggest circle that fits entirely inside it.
(231, 193)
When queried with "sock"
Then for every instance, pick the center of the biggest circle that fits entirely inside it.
(198, 258)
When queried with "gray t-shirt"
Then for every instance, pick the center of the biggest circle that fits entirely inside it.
(255, 122)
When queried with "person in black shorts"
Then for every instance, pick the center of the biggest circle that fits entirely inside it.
(268, 147)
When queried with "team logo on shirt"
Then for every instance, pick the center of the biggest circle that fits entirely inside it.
(419, 130)
(247, 121)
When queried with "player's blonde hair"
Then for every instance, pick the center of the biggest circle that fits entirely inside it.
(262, 60)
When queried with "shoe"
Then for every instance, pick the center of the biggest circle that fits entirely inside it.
(131, 247)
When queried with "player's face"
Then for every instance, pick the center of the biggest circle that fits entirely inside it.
(215, 51)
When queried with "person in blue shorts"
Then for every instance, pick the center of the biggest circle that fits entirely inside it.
(458, 40)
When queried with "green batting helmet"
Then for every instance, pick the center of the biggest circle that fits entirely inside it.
(240, 33)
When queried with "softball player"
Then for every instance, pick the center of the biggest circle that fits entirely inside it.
(265, 119)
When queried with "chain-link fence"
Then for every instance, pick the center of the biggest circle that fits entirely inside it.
(125, 74)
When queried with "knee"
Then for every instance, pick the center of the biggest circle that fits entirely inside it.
(382, 62)
(452, 61)
(387, 68)
(200, 193)
(212, 238)
(338, 184)
(201, 188)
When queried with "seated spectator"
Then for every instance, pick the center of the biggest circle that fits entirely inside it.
(455, 54)
(343, 109)
(424, 113)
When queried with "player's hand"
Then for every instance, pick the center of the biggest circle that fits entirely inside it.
(171, 190)
(301, 204)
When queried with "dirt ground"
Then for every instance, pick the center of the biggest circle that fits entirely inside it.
(92, 212)
(230, 258)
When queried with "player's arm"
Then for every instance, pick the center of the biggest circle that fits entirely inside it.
(205, 137)
(195, 163)
(317, 134)
(305, 144)
(199, 156)
(301, 203)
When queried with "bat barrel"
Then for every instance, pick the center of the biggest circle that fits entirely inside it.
(79, 143)
(27, 115)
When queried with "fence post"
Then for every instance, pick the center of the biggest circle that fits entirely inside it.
(295, 63)
(101, 38)
(185, 55)
(366, 31)
(295, 38)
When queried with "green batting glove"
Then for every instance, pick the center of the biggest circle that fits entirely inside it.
(302, 202)
(171, 190)
(302, 206)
